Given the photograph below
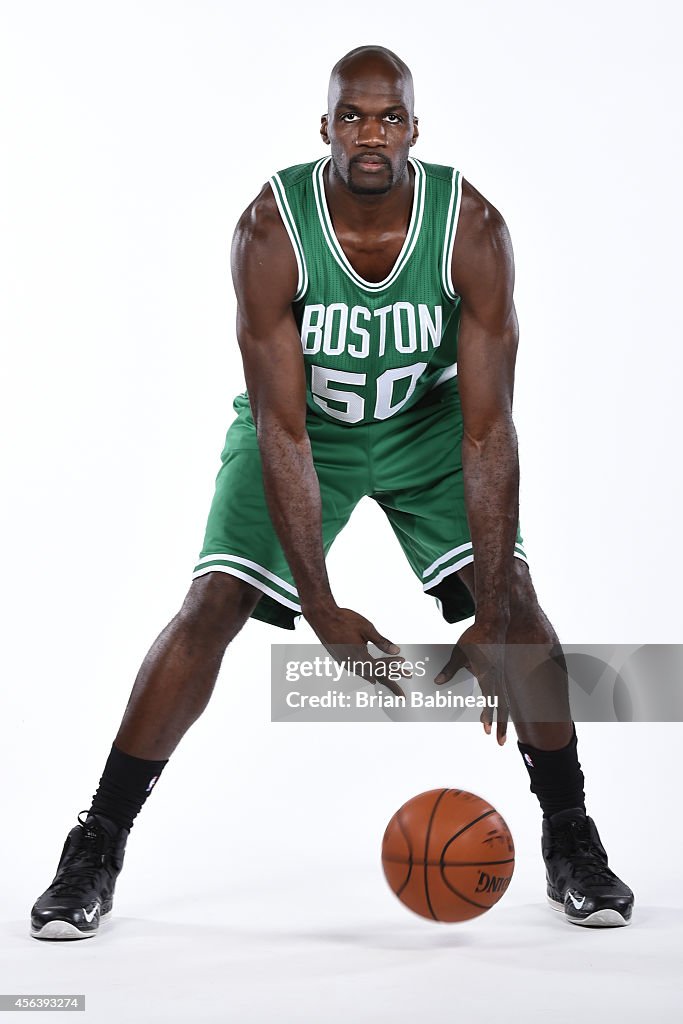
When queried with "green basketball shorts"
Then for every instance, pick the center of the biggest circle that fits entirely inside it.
(409, 464)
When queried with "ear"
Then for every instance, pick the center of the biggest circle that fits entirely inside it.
(323, 129)
(416, 132)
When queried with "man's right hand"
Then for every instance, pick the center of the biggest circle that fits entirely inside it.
(346, 634)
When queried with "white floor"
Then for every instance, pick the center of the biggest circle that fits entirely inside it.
(335, 946)
(252, 890)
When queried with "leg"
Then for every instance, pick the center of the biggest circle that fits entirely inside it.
(580, 882)
(177, 677)
(172, 689)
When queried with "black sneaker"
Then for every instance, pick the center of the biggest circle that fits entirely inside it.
(82, 892)
(579, 881)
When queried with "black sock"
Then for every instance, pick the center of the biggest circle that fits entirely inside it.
(556, 776)
(126, 783)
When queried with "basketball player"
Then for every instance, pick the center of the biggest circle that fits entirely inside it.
(360, 279)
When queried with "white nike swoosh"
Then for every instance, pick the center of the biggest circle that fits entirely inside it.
(89, 916)
(577, 903)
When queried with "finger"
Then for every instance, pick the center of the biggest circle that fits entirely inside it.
(382, 671)
(457, 660)
(502, 721)
(392, 685)
(491, 684)
(358, 661)
(392, 665)
(385, 671)
(381, 641)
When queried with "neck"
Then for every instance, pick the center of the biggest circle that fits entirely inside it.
(359, 211)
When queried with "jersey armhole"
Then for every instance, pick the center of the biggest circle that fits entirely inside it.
(293, 232)
(449, 238)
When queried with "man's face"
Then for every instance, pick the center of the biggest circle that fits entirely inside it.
(370, 126)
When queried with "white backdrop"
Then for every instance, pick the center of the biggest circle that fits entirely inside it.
(133, 135)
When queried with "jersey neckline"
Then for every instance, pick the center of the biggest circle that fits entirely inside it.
(334, 245)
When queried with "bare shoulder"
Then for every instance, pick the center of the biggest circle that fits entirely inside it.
(479, 220)
(261, 218)
(483, 260)
(261, 247)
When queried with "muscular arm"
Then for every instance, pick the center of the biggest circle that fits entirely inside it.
(265, 277)
(483, 275)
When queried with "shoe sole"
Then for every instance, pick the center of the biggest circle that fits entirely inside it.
(606, 918)
(61, 930)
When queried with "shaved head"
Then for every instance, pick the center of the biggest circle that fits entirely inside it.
(370, 124)
(367, 62)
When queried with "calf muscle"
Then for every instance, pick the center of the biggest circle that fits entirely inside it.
(177, 677)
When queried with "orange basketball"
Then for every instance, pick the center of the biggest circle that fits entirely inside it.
(448, 855)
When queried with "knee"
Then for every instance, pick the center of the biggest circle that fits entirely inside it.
(218, 604)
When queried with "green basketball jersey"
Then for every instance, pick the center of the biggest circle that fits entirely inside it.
(373, 350)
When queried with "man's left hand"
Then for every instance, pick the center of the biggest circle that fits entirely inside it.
(481, 650)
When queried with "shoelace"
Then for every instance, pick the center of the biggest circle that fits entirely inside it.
(577, 844)
(84, 864)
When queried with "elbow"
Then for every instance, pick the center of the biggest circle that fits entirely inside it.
(272, 432)
(495, 434)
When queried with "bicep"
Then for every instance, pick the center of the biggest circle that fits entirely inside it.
(483, 276)
(265, 278)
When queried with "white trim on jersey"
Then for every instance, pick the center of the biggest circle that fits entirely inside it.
(459, 565)
(251, 565)
(444, 558)
(448, 571)
(447, 374)
(456, 218)
(446, 237)
(449, 238)
(259, 584)
(333, 244)
(292, 230)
